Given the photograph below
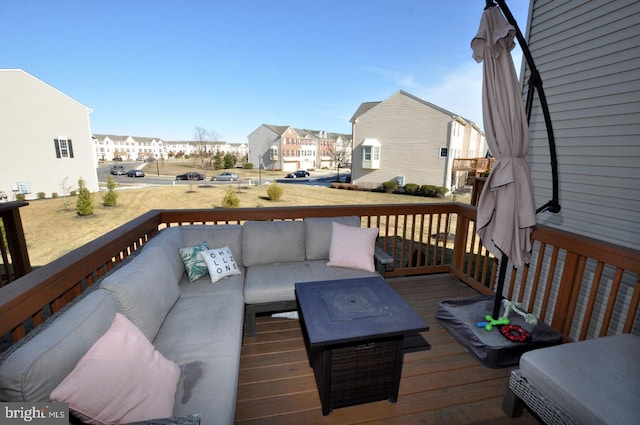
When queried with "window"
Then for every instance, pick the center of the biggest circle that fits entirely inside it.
(370, 154)
(63, 147)
(444, 152)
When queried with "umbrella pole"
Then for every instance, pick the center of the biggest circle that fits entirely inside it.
(501, 276)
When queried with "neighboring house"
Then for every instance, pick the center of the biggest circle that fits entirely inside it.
(131, 148)
(192, 147)
(588, 56)
(45, 138)
(109, 147)
(288, 149)
(407, 139)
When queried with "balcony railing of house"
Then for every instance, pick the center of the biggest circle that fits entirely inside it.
(582, 287)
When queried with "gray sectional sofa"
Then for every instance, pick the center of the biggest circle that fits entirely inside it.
(198, 325)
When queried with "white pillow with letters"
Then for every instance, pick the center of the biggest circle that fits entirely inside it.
(220, 263)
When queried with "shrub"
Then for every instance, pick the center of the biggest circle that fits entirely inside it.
(110, 199)
(411, 188)
(390, 186)
(441, 191)
(20, 197)
(230, 199)
(84, 203)
(54, 195)
(41, 195)
(427, 190)
(274, 192)
(73, 193)
(248, 166)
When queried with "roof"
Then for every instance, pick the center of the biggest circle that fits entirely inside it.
(364, 107)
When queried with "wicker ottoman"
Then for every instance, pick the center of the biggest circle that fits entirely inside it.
(590, 382)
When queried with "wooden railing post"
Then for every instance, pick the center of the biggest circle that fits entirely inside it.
(12, 223)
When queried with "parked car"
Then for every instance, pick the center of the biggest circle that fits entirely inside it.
(135, 173)
(299, 173)
(191, 175)
(225, 177)
(118, 170)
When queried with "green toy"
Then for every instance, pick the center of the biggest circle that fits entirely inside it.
(491, 322)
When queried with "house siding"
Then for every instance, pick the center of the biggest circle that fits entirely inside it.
(588, 55)
(411, 133)
(34, 114)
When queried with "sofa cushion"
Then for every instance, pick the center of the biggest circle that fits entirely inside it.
(122, 378)
(194, 264)
(145, 289)
(595, 381)
(220, 263)
(203, 335)
(219, 235)
(318, 234)
(35, 365)
(276, 282)
(269, 242)
(352, 247)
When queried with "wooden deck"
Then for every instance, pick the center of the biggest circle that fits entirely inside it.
(444, 385)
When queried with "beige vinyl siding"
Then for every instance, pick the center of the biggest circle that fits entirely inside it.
(34, 114)
(410, 133)
(588, 55)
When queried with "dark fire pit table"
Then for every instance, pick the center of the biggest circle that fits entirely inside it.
(353, 330)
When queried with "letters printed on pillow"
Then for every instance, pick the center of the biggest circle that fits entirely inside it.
(352, 247)
(194, 264)
(121, 379)
(221, 263)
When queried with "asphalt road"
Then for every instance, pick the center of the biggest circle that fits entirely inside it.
(152, 179)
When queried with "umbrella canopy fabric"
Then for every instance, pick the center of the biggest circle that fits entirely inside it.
(506, 211)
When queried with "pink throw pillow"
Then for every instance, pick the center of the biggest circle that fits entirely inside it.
(121, 379)
(352, 247)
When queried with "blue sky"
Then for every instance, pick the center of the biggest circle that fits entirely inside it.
(161, 68)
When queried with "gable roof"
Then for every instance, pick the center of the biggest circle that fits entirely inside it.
(364, 107)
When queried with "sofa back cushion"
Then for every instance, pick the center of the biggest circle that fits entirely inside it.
(35, 365)
(217, 236)
(146, 288)
(269, 242)
(318, 234)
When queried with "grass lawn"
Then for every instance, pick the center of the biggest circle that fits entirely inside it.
(52, 227)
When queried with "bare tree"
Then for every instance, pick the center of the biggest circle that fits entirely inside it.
(201, 139)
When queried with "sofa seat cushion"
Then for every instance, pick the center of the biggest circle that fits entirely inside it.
(596, 381)
(145, 289)
(35, 365)
(203, 335)
(276, 282)
(203, 286)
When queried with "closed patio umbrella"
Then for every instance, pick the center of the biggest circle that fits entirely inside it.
(506, 212)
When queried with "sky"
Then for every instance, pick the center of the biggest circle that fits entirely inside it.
(161, 68)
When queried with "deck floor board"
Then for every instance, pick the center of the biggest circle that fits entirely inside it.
(442, 385)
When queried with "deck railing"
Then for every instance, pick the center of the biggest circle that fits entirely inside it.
(580, 286)
(14, 258)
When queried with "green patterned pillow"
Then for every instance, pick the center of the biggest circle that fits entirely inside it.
(194, 264)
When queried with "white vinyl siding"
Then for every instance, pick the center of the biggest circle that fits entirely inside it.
(588, 55)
